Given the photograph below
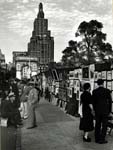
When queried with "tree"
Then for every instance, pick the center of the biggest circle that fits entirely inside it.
(92, 44)
(92, 48)
(70, 54)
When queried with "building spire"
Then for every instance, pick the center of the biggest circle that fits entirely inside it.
(40, 6)
(40, 13)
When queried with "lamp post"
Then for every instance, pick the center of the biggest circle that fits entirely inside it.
(41, 77)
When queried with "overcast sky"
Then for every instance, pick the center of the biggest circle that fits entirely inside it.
(64, 17)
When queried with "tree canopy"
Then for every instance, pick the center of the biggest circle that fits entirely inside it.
(92, 47)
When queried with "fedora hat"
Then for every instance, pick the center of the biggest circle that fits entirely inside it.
(31, 83)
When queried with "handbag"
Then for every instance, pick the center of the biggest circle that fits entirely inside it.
(3, 122)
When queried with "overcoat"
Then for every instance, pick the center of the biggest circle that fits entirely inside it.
(86, 122)
(32, 104)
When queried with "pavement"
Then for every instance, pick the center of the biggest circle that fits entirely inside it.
(8, 138)
(57, 131)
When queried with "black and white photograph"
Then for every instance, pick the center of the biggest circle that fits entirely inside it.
(56, 74)
(104, 75)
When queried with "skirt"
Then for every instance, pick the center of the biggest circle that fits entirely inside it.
(86, 123)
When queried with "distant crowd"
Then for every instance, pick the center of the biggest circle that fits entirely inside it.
(18, 100)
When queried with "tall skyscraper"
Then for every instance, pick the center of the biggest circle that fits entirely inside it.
(2, 58)
(41, 43)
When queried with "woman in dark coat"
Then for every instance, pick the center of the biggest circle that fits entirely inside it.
(86, 120)
(47, 94)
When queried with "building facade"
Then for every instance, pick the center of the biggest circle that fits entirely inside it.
(41, 43)
(40, 49)
(17, 54)
(2, 58)
(26, 67)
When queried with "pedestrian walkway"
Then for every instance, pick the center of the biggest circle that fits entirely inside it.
(8, 137)
(57, 131)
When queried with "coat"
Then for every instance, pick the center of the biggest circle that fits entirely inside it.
(8, 110)
(32, 103)
(33, 96)
(16, 91)
(102, 101)
(86, 122)
(25, 92)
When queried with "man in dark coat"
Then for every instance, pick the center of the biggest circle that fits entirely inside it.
(47, 94)
(9, 111)
(102, 104)
(16, 92)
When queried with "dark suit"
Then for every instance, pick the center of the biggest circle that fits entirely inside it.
(102, 104)
(16, 91)
(9, 111)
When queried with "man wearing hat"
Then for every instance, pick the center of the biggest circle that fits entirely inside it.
(32, 104)
(102, 103)
(9, 111)
(14, 87)
(23, 99)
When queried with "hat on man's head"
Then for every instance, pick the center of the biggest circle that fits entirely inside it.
(100, 81)
(31, 83)
(11, 94)
(24, 81)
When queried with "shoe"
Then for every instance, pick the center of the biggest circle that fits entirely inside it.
(86, 140)
(25, 117)
(20, 123)
(97, 141)
(32, 127)
(103, 142)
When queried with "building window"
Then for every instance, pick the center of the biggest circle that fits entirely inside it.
(18, 67)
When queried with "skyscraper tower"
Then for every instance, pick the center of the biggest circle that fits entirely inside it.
(41, 43)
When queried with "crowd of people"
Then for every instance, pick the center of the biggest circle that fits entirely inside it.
(96, 107)
(18, 101)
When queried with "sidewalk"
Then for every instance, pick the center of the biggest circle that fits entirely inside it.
(8, 138)
(57, 131)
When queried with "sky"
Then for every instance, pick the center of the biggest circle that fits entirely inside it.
(64, 17)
